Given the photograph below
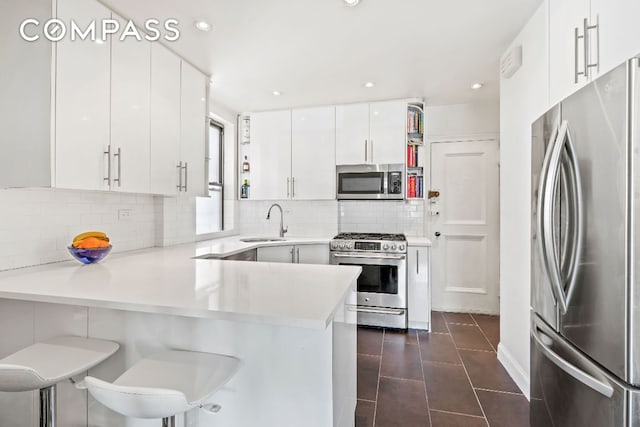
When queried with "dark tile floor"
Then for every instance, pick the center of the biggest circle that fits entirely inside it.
(450, 377)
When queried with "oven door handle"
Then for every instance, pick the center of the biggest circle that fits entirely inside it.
(398, 257)
(377, 310)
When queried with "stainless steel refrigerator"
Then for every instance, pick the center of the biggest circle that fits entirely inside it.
(585, 296)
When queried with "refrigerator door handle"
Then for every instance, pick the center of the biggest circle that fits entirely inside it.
(601, 386)
(543, 207)
(546, 214)
(578, 218)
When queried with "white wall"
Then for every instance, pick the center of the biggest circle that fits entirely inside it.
(382, 217)
(37, 225)
(304, 218)
(462, 121)
(523, 98)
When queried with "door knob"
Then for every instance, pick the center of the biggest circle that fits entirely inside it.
(437, 234)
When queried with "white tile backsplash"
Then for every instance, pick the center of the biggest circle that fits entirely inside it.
(326, 218)
(36, 225)
(303, 218)
(382, 217)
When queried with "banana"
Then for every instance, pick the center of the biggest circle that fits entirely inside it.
(97, 234)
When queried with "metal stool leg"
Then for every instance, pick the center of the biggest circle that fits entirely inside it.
(169, 421)
(48, 406)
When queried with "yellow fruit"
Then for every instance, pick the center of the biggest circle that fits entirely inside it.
(97, 234)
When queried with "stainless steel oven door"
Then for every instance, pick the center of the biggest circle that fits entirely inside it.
(383, 281)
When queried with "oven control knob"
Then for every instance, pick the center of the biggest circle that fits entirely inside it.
(385, 247)
(341, 245)
(393, 247)
(350, 246)
(401, 247)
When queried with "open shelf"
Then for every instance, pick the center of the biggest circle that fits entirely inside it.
(415, 152)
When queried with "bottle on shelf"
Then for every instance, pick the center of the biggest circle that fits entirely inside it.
(244, 190)
(245, 165)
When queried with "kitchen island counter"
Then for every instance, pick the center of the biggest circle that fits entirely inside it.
(170, 281)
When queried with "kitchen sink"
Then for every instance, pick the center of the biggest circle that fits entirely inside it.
(262, 239)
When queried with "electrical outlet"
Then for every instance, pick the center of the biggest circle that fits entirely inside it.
(124, 214)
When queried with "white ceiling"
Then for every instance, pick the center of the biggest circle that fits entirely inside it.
(322, 52)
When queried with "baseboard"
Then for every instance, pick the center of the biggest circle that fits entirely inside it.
(464, 310)
(423, 326)
(518, 375)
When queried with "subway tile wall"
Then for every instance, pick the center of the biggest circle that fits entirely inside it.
(382, 217)
(304, 218)
(36, 225)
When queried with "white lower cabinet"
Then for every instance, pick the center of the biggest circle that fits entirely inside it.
(418, 292)
(297, 254)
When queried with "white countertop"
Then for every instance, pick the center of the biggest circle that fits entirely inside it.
(169, 281)
(232, 245)
(418, 241)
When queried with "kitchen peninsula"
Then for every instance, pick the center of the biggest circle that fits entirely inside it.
(290, 324)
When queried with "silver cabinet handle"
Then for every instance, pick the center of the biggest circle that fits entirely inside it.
(587, 45)
(288, 182)
(365, 151)
(293, 187)
(108, 154)
(186, 174)
(118, 154)
(371, 155)
(297, 255)
(293, 257)
(417, 262)
(576, 38)
(539, 335)
(179, 186)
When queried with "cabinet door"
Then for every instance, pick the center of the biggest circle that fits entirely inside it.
(312, 254)
(352, 134)
(193, 112)
(388, 132)
(564, 17)
(82, 101)
(313, 156)
(419, 303)
(619, 32)
(270, 156)
(276, 254)
(165, 120)
(130, 91)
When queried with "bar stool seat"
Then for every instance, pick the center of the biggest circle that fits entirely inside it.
(165, 384)
(44, 364)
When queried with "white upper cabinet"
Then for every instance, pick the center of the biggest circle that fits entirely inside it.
(313, 172)
(165, 121)
(591, 35)
(566, 52)
(371, 133)
(352, 134)
(388, 122)
(270, 155)
(618, 36)
(193, 111)
(130, 103)
(82, 102)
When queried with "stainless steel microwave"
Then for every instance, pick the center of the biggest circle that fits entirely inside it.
(370, 182)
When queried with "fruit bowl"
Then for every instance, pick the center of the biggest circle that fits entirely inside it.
(89, 255)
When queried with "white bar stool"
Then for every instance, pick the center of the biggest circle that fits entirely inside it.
(44, 364)
(166, 384)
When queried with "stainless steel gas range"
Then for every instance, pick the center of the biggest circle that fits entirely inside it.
(382, 286)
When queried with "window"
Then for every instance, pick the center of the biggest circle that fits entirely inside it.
(209, 210)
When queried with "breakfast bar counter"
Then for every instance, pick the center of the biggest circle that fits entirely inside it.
(291, 325)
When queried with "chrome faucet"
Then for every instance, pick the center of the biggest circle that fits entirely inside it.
(283, 229)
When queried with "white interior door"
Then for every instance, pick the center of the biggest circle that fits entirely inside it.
(465, 226)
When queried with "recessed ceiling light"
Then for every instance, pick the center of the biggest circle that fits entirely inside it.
(476, 86)
(276, 93)
(202, 25)
(351, 2)
(369, 84)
